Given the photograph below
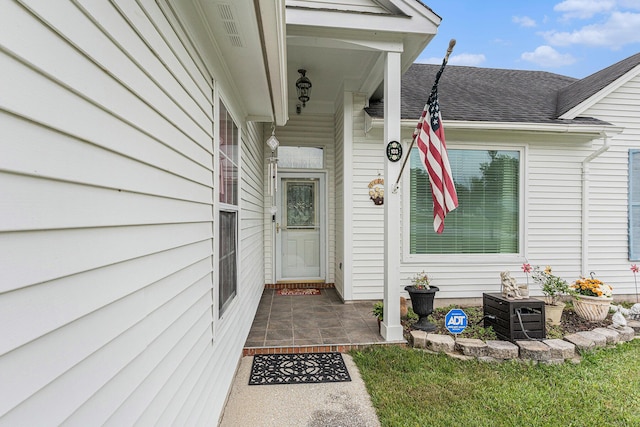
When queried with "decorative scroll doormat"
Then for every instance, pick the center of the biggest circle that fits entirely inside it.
(298, 368)
(299, 291)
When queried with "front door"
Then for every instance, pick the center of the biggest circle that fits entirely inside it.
(300, 241)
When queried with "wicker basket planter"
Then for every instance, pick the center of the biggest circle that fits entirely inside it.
(592, 309)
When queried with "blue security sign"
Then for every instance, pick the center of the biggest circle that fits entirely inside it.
(455, 321)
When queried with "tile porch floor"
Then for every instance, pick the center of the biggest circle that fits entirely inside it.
(310, 320)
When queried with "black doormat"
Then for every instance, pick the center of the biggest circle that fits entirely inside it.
(298, 368)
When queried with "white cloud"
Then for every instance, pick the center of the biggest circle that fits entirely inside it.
(524, 21)
(546, 56)
(621, 28)
(470, 59)
(629, 4)
(584, 9)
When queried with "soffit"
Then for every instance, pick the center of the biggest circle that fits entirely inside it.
(228, 36)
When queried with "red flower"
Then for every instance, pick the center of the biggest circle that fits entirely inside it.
(635, 268)
(526, 267)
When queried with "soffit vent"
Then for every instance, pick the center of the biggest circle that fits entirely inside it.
(230, 24)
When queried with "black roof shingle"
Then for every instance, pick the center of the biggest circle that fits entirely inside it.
(581, 90)
(501, 95)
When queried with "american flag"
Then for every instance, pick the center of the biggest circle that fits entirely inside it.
(429, 137)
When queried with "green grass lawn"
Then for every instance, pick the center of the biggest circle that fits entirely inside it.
(412, 388)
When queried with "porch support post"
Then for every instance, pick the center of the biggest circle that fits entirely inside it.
(391, 328)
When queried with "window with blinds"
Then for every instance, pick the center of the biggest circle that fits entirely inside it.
(487, 218)
(634, 205)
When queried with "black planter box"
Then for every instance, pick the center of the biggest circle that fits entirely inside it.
(502, 314)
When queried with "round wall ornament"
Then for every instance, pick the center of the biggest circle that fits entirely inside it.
(394, 151)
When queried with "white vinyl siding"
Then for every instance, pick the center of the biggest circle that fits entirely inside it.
(305, 130)
(367, 220)
(106, 178)
(608, 250)
(550, 216)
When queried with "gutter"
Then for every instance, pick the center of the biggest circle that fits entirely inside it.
(574, 128)
(584, 260)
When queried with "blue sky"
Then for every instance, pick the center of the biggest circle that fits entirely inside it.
(572, 37)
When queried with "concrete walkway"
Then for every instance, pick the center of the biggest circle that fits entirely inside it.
(311, 405)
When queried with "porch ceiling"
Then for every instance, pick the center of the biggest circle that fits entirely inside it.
(345, 49)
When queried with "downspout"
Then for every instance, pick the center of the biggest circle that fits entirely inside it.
(585, 202)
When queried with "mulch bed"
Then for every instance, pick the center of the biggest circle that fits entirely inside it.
(569, 324)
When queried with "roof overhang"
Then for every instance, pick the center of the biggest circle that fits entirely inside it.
(243, 44)
(582, 107)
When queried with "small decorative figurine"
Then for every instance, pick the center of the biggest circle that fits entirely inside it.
(510, 288)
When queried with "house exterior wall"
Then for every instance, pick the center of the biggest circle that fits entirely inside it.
(609, 186)
(305, 130)
(108, 286)
(367, 219)
(550, 226)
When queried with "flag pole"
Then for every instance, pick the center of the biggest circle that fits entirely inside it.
(452, 43)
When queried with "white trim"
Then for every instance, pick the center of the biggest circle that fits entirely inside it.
(601, 94)
(275, 47)
(224, 207)
(346, 43)
(347, 195)
(513, 126)
(215, 247)
(457, 259)
(391, 328)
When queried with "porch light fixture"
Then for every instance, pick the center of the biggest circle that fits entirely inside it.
(303, 87)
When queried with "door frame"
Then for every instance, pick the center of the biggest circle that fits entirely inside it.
(323, 198)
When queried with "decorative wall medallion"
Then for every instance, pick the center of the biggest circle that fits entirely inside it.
(394, 151)
(376, 191)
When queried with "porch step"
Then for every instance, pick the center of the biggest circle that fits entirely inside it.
(295, 349)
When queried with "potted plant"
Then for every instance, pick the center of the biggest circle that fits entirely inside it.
(422, 294)
(592, 298)
(553, 288)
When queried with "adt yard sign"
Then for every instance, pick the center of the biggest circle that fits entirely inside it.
(455, 321)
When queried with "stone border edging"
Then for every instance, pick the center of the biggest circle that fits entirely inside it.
(548, 351)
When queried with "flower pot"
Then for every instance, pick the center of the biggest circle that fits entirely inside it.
(422, 303)
(592, 309)
(553, 313)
